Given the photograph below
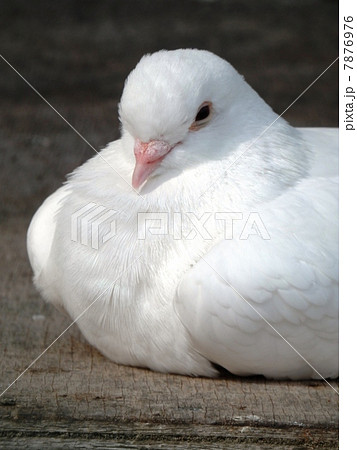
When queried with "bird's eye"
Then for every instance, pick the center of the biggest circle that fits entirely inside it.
(203, 113)
(202, 117)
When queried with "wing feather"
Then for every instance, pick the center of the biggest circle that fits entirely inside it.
(291, 281)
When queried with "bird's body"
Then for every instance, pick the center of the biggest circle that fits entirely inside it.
(243, 271)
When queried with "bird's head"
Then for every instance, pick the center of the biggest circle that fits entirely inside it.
(179, 107)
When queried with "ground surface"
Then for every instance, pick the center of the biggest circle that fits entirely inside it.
(77, 55)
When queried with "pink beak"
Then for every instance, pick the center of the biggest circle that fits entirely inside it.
(148, 156)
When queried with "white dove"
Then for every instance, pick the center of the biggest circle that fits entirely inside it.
(206, 237)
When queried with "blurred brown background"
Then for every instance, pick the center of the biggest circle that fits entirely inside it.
(78, 53)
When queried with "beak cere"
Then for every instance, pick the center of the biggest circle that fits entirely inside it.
(148, 156)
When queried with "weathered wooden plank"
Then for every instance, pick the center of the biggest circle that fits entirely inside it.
(138, 435)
